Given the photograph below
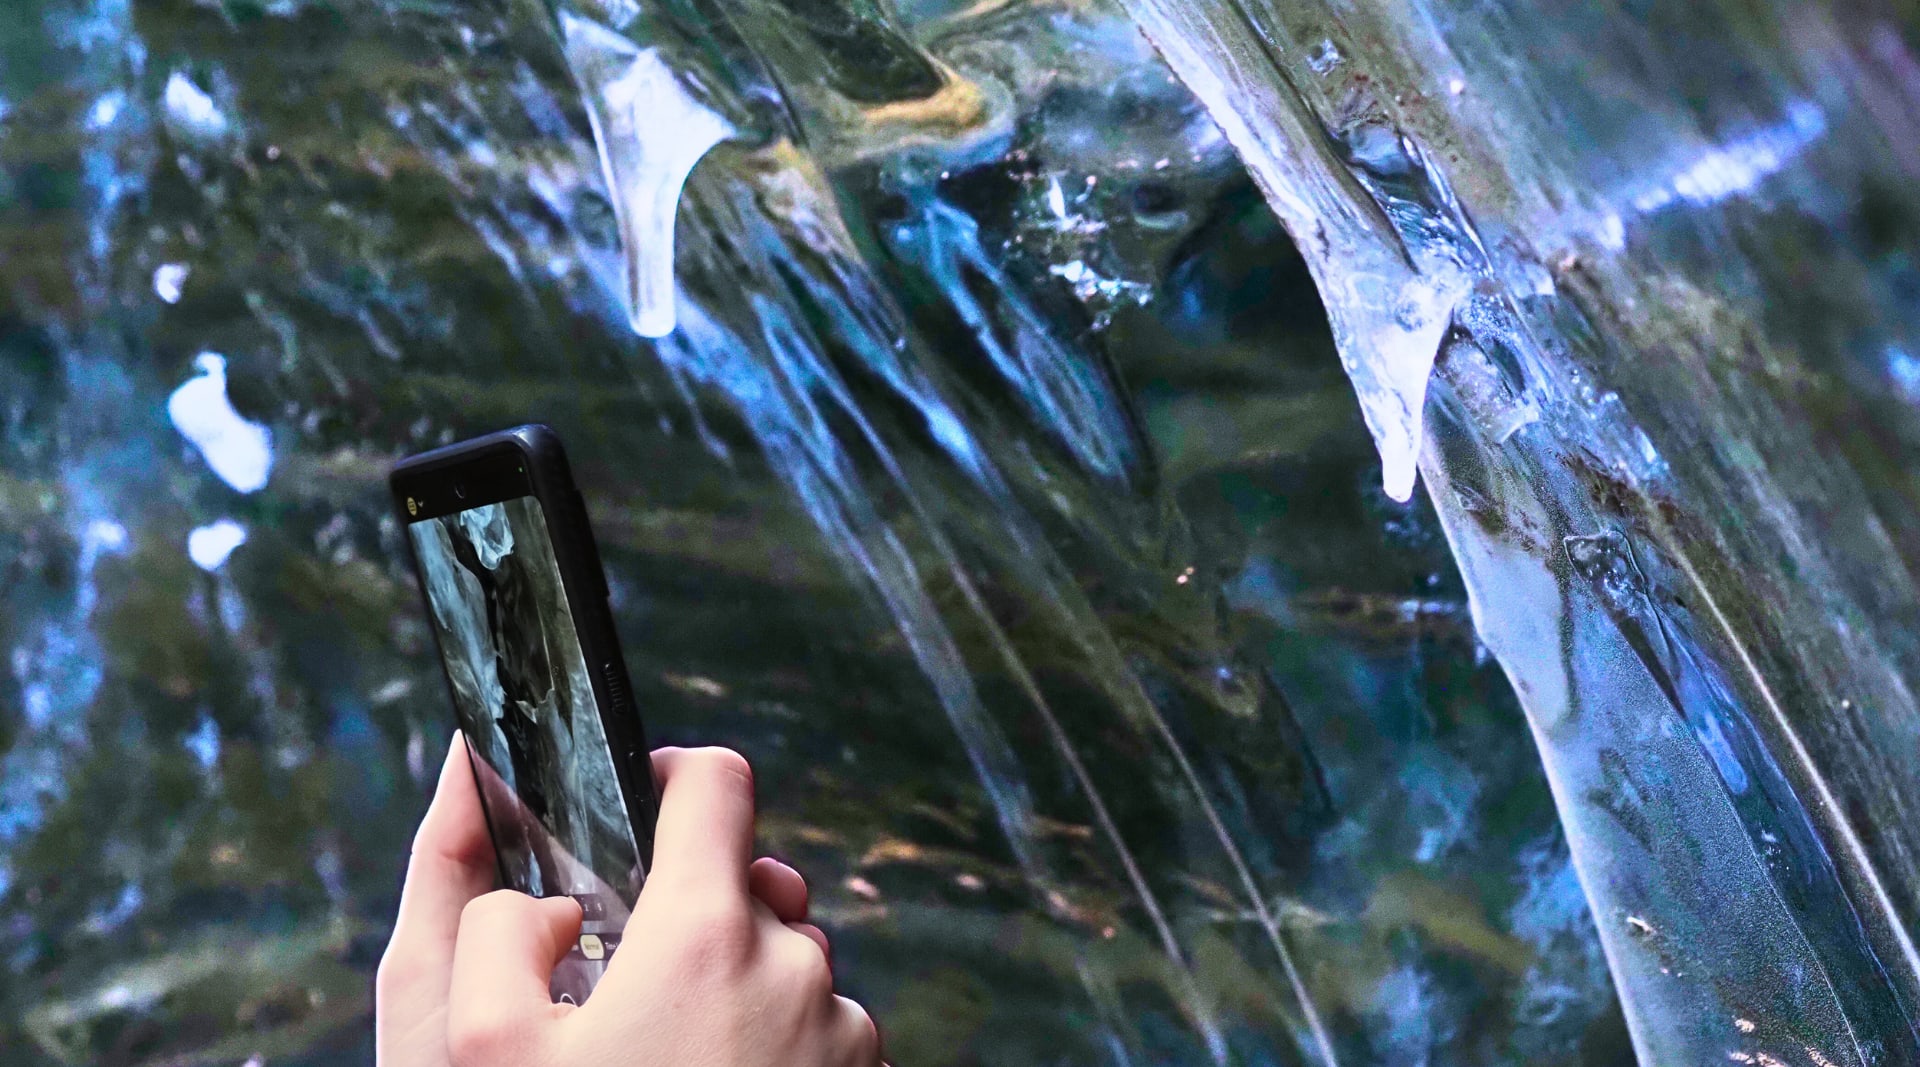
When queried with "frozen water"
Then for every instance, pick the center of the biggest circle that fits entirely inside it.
(1003, 422)
(1656, 706)
(651, 132)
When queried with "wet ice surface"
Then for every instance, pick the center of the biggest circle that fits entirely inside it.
(998, 486)
(1647, 516)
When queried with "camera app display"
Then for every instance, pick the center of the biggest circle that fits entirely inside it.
(525, 702)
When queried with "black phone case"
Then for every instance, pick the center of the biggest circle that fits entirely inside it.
(585, 582)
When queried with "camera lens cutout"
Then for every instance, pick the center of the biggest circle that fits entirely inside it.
(460, 490)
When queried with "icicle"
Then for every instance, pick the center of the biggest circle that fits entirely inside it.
(651, 133)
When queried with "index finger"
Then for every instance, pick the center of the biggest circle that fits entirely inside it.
(704, 837)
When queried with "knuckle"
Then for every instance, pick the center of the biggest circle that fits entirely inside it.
(816, 978)
(397, 972)
(725, 763)
(806, 970)
(862, 1032)
(501, 905)
(481, 1041)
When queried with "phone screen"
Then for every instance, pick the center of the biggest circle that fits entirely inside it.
(525, 701)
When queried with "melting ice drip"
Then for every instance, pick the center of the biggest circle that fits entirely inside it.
(651, 133)
(1391, 286)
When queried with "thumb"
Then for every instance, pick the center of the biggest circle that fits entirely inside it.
(452, 863)
(502, 963)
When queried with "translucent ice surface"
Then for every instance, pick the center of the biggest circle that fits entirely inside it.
(1232, 532)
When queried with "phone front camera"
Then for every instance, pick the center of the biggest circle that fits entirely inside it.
(459, 491)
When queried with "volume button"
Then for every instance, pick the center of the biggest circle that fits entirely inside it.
(619, 696)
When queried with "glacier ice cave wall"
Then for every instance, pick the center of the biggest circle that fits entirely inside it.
(968, 445)
(1656, 266)
(1659, 260)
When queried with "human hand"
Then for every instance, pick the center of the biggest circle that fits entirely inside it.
(717, 967)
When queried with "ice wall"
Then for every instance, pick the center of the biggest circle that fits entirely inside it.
(1675, 318)
(999, 486)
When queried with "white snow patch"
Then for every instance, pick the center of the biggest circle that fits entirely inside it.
(191, 108)
(169, 280)
(240, 452)
(105, 110)
(210, 545)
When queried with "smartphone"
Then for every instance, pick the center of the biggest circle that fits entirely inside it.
(517, 601)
